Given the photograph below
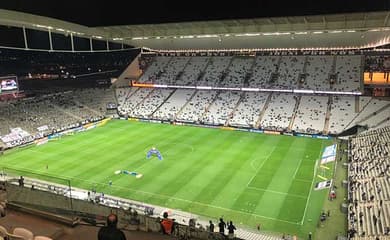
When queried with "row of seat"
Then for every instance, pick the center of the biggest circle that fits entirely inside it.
(20, 233)
(369, 188)
(257, 71)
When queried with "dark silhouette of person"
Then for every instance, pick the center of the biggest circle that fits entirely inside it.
(111, 232)
(211, 228)
(231, 229)
(222, 226)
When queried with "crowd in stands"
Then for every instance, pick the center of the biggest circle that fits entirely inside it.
(279, 112)
(249, 109)
(194, 108)
(235, 77)
(173, 105)
(323, 72)
(369, 188)
(147, 107)
(42, 64)
(377, 63)
(46, 114)
(221, 108)
(311, 113)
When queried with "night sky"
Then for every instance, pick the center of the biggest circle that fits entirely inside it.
(113, 12)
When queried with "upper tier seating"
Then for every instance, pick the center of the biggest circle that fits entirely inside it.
(348, 73)
(237, 72)
(216, 68)
(289, 70)
(157, 67)
(194, 67)
(318, 70)
(264, 67)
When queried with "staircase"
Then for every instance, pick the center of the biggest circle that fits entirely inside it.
(327, 116)
(181, 109)
(143, 72)
(208, 107)
(290, 126)
(225, 72)
(257, 125)
(375, 113)
(359, 111)
(249, 74)
(166, 99)
(204, 70)
(142, 101)
(242, 97)
(303, 74)
(182, 71)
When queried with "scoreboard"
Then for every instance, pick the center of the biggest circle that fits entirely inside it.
(8, 84)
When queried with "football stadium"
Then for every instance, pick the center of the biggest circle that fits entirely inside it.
(257, 128)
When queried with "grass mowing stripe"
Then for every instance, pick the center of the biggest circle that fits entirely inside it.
(311, 186)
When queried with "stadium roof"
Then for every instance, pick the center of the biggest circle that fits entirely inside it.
(356, 21)
(333, 30)
(108, 13)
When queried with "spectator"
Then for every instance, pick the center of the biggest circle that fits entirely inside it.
(222, 226)
(21, 181)
(231, 229)
(167, 224)
(211, 227)
(111, 232)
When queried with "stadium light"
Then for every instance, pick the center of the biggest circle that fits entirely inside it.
(203, 87)
(303, 91)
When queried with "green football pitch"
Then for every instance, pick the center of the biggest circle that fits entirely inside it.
(249, 178)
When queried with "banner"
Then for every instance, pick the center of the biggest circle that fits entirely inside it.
(329, 154)
(323, 185)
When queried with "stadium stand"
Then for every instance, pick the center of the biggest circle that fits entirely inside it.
(311, 113)
(235, 77)
(318, 70)
(195, 107)
(369, 189)
(221, 108)
(248, 111)
(348, 73)
(150, 103)
(215, 71)
(279, 112)
(262, 70)
(289, 71)
(172, 105)
(194, 68)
